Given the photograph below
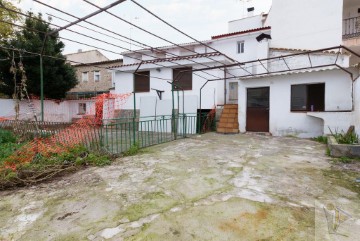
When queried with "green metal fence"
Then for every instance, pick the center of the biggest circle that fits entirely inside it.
(118, 135)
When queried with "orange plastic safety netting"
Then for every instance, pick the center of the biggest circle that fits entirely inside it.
(80, 132)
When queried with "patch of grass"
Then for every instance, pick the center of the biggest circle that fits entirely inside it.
(345, 159)
(43, 168)
(321, 139)
(133, 150)
(344, 179)
(7, 137)
(328, 152)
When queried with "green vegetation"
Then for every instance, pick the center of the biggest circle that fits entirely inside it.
(133, 150)
(7, 30)
(8, 144)
(31, 38)
(321, 139)
(350, 138)
(42, 167)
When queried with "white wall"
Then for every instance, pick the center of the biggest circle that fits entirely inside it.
(124, 84)
(338, 92)
(53, 111)
(245, 24)
(7, 108)
(306, 24)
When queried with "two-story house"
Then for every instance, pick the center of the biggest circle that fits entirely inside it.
(92, 73)
(285, 71)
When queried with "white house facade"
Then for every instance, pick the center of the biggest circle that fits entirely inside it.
(293, 71)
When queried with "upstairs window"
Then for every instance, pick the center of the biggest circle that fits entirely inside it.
(142, 82)
(96, 76)
(308, 97)
(240, 47)
(85, 76)
(182, 79)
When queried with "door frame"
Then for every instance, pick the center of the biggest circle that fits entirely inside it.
(268, 110)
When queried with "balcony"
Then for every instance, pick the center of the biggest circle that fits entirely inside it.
(351, 28)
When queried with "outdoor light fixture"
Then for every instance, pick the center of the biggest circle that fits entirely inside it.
(263, 36)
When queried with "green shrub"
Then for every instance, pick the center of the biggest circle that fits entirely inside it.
(7, 136)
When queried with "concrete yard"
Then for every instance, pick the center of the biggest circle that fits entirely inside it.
(209, 187)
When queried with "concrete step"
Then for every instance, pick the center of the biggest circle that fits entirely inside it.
(227, 131)
(228, 123)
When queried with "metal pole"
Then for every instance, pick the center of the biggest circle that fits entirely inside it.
(134, 115)
(173, 109)
(42, 88)
(199, 122)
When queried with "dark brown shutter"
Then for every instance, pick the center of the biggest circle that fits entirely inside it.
(142, 81)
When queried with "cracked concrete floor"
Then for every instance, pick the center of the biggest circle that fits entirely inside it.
(209, 187)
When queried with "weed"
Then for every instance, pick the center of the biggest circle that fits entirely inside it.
(7, 136)
(345, 138)
(328, 152)
(321, 139)
(345, 159)
(45, 167)
(133, 150)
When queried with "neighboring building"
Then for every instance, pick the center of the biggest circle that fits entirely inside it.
(304, 93)
(85, 57)
(92, 73)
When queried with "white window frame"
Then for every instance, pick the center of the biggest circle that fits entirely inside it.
(82, 108)
(85, 74)
(97, 71)
(240, 47)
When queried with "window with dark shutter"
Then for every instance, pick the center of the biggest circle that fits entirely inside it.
(142, 81)
(310, 97)
(182, 79)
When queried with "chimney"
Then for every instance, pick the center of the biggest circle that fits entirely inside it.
(251, 11)
(79, 50)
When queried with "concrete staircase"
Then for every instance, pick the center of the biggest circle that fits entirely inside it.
(228, 123)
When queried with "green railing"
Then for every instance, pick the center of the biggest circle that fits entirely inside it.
(118, 135)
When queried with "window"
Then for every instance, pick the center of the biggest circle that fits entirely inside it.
(182, 79)
(96, 76)
(142, 81)
(309, 97)
(82, 108)
(240, 47)
(85, 76)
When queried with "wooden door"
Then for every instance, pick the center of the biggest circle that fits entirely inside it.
(257, 111)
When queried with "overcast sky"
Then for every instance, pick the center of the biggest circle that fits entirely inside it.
(198, 18)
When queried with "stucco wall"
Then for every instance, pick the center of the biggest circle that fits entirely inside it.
(124, 84)
(306, 24)
(245, 23)
(91, 85)
(338, 97)
(63, 111)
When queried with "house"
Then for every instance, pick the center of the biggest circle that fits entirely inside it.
(292, 71)
(94, 77)
(92, 73)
